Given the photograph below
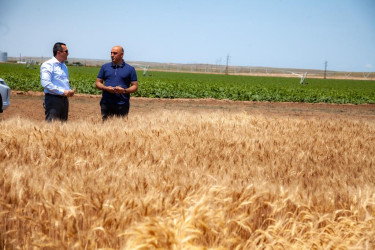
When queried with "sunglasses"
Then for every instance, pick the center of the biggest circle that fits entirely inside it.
(66, 51)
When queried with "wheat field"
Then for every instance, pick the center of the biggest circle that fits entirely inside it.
(180, 180)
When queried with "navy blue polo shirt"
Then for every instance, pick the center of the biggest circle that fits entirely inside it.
(117, 75)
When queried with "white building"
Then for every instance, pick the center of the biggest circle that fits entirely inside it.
(3, 56)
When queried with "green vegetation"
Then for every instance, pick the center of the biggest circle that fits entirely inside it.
(18, 77)
(188, 85)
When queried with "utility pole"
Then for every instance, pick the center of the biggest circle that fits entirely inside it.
(226, 68)
(325, 69)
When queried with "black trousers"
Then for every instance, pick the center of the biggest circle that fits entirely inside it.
(109, 110)
(56, 107)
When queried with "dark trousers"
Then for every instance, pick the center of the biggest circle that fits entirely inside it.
(109, 110)
(56, 107)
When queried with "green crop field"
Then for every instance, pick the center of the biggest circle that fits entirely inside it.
(189, 85)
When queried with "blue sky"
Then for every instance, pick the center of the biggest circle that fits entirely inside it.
(269, 33)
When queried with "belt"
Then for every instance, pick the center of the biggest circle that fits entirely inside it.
(58, 96)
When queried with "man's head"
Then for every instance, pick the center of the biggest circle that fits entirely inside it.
(117, 53)
(60, 51)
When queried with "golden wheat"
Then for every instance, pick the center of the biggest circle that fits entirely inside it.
(179, 180)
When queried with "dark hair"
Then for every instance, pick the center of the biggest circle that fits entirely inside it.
(57, 47)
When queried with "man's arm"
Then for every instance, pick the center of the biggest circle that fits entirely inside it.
(46, 81)
(133, 87)
(99, 84)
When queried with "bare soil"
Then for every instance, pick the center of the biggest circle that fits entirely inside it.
(29, 105)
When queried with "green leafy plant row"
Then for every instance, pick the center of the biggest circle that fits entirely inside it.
(190, 85)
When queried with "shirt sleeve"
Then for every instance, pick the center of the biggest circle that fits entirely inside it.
(46, 79)
(101, 73)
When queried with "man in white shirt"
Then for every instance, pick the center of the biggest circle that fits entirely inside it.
(54, 77)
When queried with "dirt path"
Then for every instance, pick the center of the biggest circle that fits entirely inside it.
(30, 106)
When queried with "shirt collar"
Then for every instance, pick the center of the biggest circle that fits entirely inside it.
(119, 65)
(54, 60)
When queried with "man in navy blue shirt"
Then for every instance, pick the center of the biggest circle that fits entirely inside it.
(117, 80)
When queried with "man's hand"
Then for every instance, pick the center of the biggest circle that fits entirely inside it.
(99, 84)
(68, 93)
(119, 90)
(115, 90)
(109, 89)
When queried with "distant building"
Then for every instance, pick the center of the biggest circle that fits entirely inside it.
(3, 56)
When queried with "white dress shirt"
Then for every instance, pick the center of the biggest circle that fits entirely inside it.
(54, 77)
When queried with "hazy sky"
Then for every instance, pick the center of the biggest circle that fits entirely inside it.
(270, 33)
